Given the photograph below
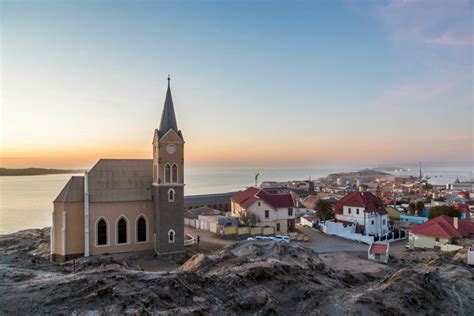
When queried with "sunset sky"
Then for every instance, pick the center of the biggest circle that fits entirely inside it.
(254, 83)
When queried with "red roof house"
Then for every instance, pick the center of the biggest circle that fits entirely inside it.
(378, 251)
(274, 198)
(366, 200)
(445, 227)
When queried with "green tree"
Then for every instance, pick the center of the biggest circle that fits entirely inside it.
(419, 206)
(324, 209)
(444, 210)
(249, 219)
(412, 208)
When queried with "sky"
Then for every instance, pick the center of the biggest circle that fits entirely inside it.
(254, 82)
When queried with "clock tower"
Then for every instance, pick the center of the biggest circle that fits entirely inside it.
(168, 182)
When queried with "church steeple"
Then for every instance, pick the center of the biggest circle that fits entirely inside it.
(168, 117)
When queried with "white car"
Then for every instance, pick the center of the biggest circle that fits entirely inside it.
(260, 238)
(282, 238)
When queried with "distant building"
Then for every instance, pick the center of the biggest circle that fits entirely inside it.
(441, 231)
(272, 207)
(364, 209)
(379, 252)
(218, 201)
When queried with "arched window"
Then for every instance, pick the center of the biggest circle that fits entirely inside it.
(174, 173)
(167, 173)
(101, 232)
(122, 231)
(170, 195)
(141, 229)
(171, 235)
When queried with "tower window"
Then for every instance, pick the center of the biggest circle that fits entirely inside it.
(174, 173)
(167, 173)
(101, 232)
(171, 195)
(122, 231)
(171, 236)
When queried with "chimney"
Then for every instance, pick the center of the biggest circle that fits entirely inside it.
(456, 222)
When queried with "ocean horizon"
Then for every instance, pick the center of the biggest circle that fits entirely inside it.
(27, 201)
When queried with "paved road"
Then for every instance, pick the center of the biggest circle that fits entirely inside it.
(319, 242)
(208, 241)
(322, 243)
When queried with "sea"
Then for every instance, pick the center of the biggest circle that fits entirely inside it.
(26, 201)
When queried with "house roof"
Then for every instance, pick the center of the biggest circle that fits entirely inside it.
(443, 226)
(276, 199)
(73, 191)
(120, 180)
(378, 248)
(310, 201)
(366, 200)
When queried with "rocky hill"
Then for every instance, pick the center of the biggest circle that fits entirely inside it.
(247, 278)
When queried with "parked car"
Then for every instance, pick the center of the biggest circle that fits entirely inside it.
(282, 238)
(407, 245)
(260, 238)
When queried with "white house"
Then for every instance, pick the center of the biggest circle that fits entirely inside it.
(364, 209)
(272, 207)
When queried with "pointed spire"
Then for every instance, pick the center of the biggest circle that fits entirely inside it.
(168, 117)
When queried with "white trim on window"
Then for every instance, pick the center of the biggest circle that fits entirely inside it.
(107, 235)
(171, 240)
(172, 199)
(116, 230)
(172, 173)
(136, 229)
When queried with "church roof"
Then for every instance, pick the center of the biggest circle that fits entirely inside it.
(73, 191)
(168, 117)
(121, 180)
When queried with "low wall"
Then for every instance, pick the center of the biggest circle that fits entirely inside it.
(449, 247)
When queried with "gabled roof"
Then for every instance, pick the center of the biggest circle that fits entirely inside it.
(366, 200)
(120, 180)
(443, 226)
(378, 248)
(73, 191)
(245, 198)
(275, 199)
(168, 117)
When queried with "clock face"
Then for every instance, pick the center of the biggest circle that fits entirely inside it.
(171, 149)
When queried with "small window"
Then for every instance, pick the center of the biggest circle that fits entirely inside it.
(171, 236)
(258, 203)
(267, 213)
(122, 231)
(383, 222)
(436, 239)
(101, 233)
(170, 195)
(141, 229)
(357, 211)
(290, 211)
(349, 210)
(278, 227)
(372, 222)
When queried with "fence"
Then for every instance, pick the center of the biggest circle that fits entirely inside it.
(242, 231)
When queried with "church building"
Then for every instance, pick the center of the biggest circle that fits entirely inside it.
(124, 205)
